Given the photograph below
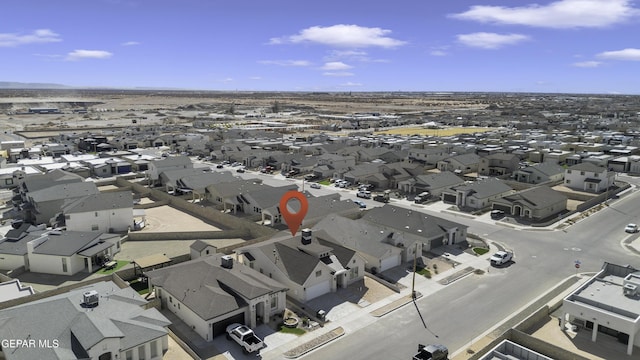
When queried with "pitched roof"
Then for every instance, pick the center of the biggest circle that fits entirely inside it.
(210, 290)
(587, 166)
(538, 197)
(63, 191)
(41, 181)
(120, 314)
(410, 221)
(98, 202)
(67, 243)
(485, 188)
(443, 179)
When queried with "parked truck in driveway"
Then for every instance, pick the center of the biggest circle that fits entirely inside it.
(501, 258)
(245, 337)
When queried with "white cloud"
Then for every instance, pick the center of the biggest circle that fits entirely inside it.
(130, 43)
(37, 36)
(351, 36)
(336, 65)
(88, 54)
(486, 40)
(255, 77)
(351, 84)
(559, 14)
(438, 53)
(587, 64)
(629, 54)
(286, 62)
(338, 74)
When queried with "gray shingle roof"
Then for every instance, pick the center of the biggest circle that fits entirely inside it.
(210, 290)
(63, 191)
(409, 221)
(587, 166)
(100, 201)
(67, 243)
(60, 316)
(537, 198)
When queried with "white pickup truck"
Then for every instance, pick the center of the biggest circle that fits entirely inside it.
(245, 337)
(501, 258)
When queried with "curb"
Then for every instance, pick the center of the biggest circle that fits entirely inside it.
(385, 309)
(315, 343)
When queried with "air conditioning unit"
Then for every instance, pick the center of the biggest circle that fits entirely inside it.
(90, 298)
(629, 290)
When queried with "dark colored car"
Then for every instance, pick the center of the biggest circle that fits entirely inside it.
(432, 352)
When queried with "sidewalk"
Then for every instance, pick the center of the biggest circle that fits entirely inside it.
(348, 318)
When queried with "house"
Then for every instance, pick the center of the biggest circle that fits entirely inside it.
(13, 289)
(70, 252)
(546, 172)
(460, 164)
(477, 195)
(200, 248)
(212, 292)
(307, 265)
(434, 184)
(412, 227)
(10, 177)
(498, 164)
(428, 155)
(43, 205)
(13, 246)
(588, 177)
(97, 321)
(156, 167)
(104, 212)
(607, 303)
(246, 196)
(536, 204)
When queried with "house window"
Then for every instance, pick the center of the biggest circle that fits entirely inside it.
(595, 175)
(128, 355)
(274, 301)
(251, 264)
(64, 265)
(8, 181)
(154, 348)
(581, 172)
(318, 273)
(207, 251)
(67, 217)
(96, 213)
(568, 171)
(94, 227)
(141, 353)
(170, 299)
(568, 182)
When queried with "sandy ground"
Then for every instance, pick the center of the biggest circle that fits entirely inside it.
(419, 130)
(136, 249)
(167, 219)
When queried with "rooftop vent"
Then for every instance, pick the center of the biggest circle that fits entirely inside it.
(226, 261)
(306, 236)
(90, 298)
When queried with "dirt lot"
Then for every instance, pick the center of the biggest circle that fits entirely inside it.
(168, 219)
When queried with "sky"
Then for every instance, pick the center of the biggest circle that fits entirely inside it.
(563, 46)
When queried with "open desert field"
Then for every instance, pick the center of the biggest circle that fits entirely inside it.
(419, 130)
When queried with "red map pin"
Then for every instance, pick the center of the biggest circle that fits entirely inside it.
(293, 219)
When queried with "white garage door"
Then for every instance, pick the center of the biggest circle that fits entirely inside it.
(319, 289)
(389, 262)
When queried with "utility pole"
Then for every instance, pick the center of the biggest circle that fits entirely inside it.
(413, 281)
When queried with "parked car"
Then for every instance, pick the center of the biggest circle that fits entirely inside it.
(245, 337)
(501, 258)
(219, 166)
(364, 194)
(431, 352)
(240, 170)
(315, 186)
(497, 214)
(631, 228)
(360, 203)
(422, 197)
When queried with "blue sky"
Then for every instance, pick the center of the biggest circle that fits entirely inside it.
(577, 46)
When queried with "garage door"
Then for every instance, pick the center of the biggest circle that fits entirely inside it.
(319, 289)
(450, 199)
(220, 327)
(390, 262)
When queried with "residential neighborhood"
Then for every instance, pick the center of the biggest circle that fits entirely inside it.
(151, 240)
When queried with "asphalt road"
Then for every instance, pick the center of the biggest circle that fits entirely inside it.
(464, 310)
(467, 308)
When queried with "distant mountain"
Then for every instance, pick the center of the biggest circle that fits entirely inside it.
(21, 85)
